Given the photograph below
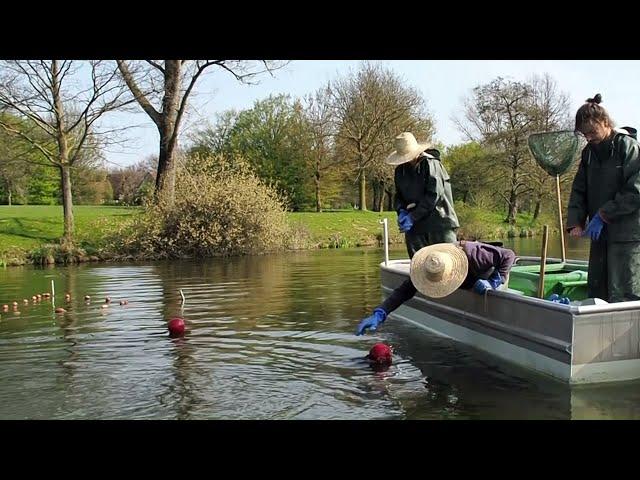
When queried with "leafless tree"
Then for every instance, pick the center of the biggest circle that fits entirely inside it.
(321, 123)
(126, 182)
(59, 103)
(500, 115)
(552, 112)
(372, 106)
(168, 85)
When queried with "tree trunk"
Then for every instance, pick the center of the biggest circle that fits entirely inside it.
(9, 196)
(513, 208)
(389, 200)
(67, 203)
(317, 185)
(363, 190)
(166, 178)
(376, 196)
(168, 128)
(536, 212)
(513, 196)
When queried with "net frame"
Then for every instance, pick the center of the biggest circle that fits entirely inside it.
(556, 151)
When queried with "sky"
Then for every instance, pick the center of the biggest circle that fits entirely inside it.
(444, 85)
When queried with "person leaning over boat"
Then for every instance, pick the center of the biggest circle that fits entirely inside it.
(438, 270)
(606, 190)
(424, 204)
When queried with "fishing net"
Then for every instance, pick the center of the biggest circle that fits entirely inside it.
(556, 151)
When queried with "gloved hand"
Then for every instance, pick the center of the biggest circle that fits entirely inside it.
(402, 214)
(594, 229)
(495, 280)
(407, 223)
(372, 322)
(481, 286)
(555, 298)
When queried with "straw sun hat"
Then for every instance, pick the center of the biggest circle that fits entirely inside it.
(406, 149)
(438, 270)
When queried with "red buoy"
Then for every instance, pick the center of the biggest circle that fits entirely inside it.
(176, 327)
(380, 354)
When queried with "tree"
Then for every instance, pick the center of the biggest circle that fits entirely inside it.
(62, 104)
(13, 174)
(274, 137)
(372, 106)
(501, 116)
(552, 112)
(43, 187)
(321, 127)
(215, 139)
(470, 170)
(127, 183)
(162, 88)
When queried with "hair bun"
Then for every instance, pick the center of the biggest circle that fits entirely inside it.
(597, 99)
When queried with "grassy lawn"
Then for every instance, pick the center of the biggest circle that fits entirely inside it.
(346, 228)
(26, 227)
(23, 228)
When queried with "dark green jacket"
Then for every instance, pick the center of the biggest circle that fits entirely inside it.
(427, 186)
(609, 184)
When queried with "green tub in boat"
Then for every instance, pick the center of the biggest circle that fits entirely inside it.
(565, 279)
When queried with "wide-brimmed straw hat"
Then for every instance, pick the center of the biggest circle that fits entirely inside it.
(406, 149)
(438, 270)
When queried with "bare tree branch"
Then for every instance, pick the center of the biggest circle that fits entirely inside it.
(138, 94)
(156, 65)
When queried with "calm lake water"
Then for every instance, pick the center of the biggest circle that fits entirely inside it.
(268, 337)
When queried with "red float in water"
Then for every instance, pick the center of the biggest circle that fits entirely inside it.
(381, 354)
(176, 327)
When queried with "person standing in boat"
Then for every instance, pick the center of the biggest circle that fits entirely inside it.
(606, 191)
(425, 209)
(438, 270)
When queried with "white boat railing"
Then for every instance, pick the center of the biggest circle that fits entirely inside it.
(385, 228)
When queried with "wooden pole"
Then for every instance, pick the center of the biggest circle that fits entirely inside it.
(564, 253)
(543, 260)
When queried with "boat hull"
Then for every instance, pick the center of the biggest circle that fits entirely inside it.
(575, 344)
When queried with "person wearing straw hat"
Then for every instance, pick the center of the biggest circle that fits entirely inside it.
(424, 204)
(423, 196)
(440, 269)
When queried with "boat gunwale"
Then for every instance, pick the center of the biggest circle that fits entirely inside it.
(576, 310)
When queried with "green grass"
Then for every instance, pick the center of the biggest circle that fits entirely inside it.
(23, 228)
(346, 228)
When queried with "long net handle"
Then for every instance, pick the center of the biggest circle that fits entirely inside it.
(563, 251)
(543, 260)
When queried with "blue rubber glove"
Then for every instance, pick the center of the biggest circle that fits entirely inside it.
(594, 229)
(372, 322)
(495, 280)
(402, 214)
(407, 224)
(481, 286)
(555, 298)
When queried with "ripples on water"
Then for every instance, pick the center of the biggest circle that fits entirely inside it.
(267, 338)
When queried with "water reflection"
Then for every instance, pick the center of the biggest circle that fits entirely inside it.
(268, 337)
